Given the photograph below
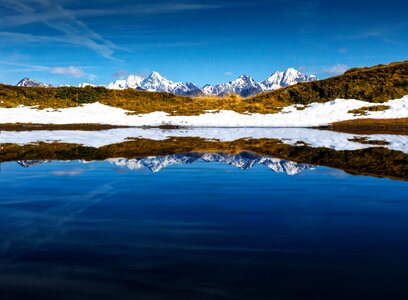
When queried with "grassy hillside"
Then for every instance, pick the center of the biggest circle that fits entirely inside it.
(130, 99)
(376, 84)
(372, 126)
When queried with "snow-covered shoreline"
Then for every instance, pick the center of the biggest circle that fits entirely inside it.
(313, 115)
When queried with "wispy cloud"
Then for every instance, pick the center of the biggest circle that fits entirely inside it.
(303, 68)
(39, 39)
(385, 33)
(151, 8)
(175, 44)
(343, 50)
(228, 73)
(75, 31)
(73, 71)
(120, 74)
(56, 17)
(337, 69)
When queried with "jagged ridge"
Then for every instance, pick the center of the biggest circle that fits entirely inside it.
(156, 83)
(244, 85)
(27, 82)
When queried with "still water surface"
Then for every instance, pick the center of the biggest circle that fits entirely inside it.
(100, 230)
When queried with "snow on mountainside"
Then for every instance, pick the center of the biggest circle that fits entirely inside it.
(132, 82)
(156, 83)
(244, 85)
(243, 160)
(28, 82)
(283, 79)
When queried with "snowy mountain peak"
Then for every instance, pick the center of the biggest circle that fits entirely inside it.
(245, 77)
(28, 82)
(134, 80)
(156, 75)
(244, 85)
(283, 79)
(156, 83)
(292, 70)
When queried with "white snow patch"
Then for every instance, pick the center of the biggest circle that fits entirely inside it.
(315, 114)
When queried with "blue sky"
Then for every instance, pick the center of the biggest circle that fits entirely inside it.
(72, 41)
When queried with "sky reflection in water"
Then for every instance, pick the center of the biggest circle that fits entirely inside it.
(200, 231)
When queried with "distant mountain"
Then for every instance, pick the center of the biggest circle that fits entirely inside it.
(156, 83)
(243, 160)
(244, 85)
(132, 82)
(28, 82)
(283, 79)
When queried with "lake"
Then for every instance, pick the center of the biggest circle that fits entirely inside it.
(203, 214)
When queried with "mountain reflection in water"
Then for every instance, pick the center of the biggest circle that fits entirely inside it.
(154, 149)
(243, 160)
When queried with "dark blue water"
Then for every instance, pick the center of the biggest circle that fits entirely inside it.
(204, 231)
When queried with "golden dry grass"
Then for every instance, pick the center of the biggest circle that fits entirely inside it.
(363, 111)
(372, 126)
(138, 102)
(400, 122)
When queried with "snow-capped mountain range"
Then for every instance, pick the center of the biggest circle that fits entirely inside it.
(244, 85)
(283, 79)
(247, 86)
(243, 160)
(27, 82)
(156, 83)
